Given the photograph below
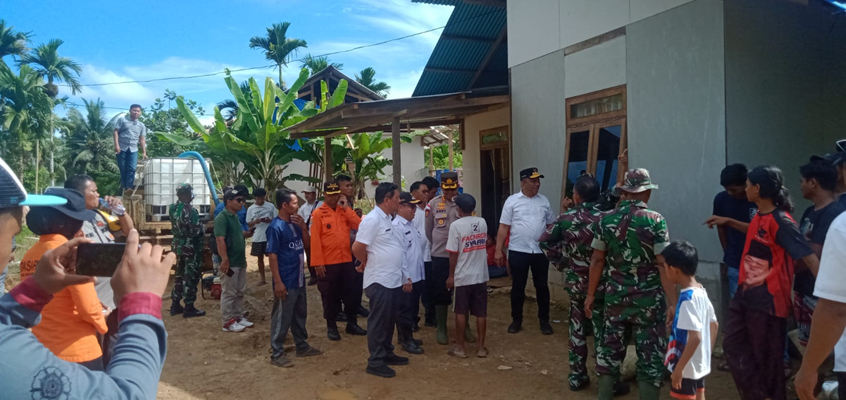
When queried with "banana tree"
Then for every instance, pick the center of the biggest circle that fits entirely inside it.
(258, 139)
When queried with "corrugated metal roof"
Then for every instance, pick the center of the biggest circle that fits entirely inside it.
(464, 45)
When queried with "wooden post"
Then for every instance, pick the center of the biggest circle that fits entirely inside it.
(432, 160)
(395, 151)
(450, 151)
(327, 159)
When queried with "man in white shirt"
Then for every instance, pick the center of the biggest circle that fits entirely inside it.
(305, 212)
(385, 279)
(525, 216)
(411, 240)
(421, 190)
(259, 216)
(827, 327)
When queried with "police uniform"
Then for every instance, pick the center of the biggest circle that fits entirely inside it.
(631, 236)
(568, 243)
(441, 213)
(188, 235)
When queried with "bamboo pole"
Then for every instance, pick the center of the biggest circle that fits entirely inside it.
(451, 151)
(396, 153)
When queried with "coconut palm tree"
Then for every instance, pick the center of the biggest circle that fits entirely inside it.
(26, 111)
(89, 140)
(277, 46)
(317, 64)
(47, 63)
(229, 107)
(12, 43)
(367, 78)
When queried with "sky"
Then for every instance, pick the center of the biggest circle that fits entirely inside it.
(121, 41)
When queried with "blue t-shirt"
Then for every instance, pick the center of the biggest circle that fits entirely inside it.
(242, 214)
(741, 210)
(286, 241)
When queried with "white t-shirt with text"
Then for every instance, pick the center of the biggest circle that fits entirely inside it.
(468, 237)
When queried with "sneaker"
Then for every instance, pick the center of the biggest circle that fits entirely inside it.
(310, 352)
(282, 361)
(354, 329)
(247, 324)
(545, 328)
(515, 326)
(233, 326)
(383, 371)
(191, 312)
(393, 359)
(581, 385)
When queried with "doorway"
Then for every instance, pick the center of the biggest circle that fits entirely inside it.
(495, 172)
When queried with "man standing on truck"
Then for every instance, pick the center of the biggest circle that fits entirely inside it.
(129, 133)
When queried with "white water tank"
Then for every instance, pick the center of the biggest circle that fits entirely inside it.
(163, 175)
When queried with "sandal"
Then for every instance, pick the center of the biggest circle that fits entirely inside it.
(456, 352)
(482, 352)
(723, 366)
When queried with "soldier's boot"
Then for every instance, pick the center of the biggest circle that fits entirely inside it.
(468, 334)
(176, 308)
(190, 311)
(441, 317)
(606, 387)
(648, 391)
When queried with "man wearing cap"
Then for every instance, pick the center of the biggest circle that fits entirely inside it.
(259, 216)
(332, 261)
(188, 235)
(231, 245)
(525, 217)
(411, 240)
(627, 257)
(305, 211)
(442, 213)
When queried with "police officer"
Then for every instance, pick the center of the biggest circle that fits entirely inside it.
(188, 244)
(627, 258)
(440, 215)
(567, 243)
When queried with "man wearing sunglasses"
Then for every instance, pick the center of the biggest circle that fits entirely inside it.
(232, 247)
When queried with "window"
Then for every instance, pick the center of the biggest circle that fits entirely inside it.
(596, 136)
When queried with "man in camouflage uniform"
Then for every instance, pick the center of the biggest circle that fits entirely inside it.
(567, 243)
(626, 258)
(188, 244)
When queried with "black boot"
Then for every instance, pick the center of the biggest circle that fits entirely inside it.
(332, 331)
(354, 329)
(363, 312)
(341, 317)
(190, 311)
(411, 342)
(429, 318)
(176, 308)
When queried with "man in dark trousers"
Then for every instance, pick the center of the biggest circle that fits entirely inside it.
(385, 279)
(333, 263)
(525, 217)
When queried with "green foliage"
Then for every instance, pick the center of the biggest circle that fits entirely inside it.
(441, 154)
(25, 114)
(368, 79)
(90, 142)
(277, 46)
(163, 116)
(48, 64)
(12, 43)
(317, 64)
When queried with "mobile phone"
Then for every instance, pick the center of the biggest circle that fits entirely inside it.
(99, 259)
(230, 272)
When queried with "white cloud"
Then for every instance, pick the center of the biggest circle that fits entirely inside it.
(124, 94)
(403, 17)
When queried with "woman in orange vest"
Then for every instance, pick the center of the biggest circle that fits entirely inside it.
(71, 321)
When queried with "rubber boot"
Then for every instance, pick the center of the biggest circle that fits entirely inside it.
(648, 391)
(441, 316)
(606, 387)
(469, 337)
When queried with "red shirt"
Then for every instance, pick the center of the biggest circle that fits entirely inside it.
(773, 241)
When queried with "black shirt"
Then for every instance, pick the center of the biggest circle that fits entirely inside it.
(741, 210)
(814, 226)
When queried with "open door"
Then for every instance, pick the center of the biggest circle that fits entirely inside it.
(495, 173)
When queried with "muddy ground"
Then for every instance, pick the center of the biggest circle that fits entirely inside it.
(205, 363)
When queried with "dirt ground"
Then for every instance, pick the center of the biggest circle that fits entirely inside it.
(203, 362)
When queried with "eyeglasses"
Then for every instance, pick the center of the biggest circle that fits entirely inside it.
(240, 199)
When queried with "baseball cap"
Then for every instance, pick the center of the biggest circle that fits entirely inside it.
(530, 173)
(75, 206)
(331, 188)
(310, 189)
(832, 158)
(466, 202)
(12, 193)
(407, 198)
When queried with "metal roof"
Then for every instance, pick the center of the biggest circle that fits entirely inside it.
(472, 51)
(326, 74)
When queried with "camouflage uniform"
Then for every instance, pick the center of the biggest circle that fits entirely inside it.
(568, 242)
(188, 244)
(631, 236)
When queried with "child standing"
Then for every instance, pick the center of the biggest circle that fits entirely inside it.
(259, 216)
(694, 326)
(468, 273)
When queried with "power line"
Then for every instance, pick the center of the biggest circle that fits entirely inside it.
(298, 60)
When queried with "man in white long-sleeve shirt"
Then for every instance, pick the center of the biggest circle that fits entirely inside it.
(305, 211)
(384, 279)
(411, 241)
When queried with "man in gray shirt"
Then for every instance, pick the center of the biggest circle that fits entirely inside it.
(129, 133)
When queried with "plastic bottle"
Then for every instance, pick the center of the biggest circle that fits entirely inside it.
(119, 209)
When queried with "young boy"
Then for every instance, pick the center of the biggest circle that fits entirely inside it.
(694, 326)
(468, 273)
(287, 239)
(259, 216)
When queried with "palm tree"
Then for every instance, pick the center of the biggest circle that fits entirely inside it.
(229, 107)
(277, 46)
(89, 140)
(12, 43)
(317, 64)
(26, 111)
(47, 63)
(367, 79)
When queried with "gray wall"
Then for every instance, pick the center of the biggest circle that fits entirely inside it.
(785, 84)
(539, 120)
(676, 115)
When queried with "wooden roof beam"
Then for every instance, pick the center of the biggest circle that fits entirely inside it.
(488, 57)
